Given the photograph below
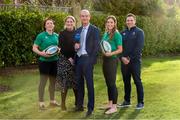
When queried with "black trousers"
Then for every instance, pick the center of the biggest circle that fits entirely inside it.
(132, 69)
(110, 70)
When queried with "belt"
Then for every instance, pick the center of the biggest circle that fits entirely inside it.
(84, 55)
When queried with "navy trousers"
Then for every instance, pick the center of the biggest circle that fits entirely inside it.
(84, 70)
(132, 69)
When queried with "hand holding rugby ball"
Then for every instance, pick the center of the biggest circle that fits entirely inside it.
(52, 50)
(105, 46)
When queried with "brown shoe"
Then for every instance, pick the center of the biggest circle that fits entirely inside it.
(54, 104)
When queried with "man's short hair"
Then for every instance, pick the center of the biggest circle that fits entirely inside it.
(85, 10)
(131, 15)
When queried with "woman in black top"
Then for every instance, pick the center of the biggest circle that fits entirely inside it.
(65, 65)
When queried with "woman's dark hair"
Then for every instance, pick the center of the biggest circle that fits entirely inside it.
(115, 26)
(44, 23)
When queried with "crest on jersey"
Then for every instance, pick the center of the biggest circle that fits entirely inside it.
(133, 33)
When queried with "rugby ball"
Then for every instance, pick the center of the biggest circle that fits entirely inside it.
(51, 50)
(105, 46)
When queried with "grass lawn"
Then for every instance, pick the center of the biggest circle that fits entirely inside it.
(161, 79)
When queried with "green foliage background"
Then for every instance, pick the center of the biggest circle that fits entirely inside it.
(18, 29)
(123, 7)
(161, 34)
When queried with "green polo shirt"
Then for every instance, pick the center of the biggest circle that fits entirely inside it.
(114, 42)
(44, 40)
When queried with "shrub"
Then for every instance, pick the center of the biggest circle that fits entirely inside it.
(161, 34)
(18, 29)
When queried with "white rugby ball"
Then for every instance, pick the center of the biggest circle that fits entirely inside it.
(105, 46)
(51, 50)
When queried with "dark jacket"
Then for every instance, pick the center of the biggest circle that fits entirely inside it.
(133, 43)
(92, 42)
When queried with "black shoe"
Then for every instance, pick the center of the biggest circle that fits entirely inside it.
(124, 104)
(88, 113)
(139, 106)
(79, 109)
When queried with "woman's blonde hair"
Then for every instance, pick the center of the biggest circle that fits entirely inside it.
(72, 18)
(115, 25)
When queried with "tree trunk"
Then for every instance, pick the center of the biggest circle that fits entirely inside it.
(53, 3)
(16, 2)
(1, 1)
(33, 1)
(76, 12)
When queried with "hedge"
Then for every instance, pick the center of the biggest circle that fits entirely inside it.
(162, 35)
(19, 28)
